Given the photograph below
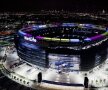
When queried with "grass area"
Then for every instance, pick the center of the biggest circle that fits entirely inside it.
(1, 66)
(4, 43)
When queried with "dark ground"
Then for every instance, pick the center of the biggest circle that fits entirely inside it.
(7, 84)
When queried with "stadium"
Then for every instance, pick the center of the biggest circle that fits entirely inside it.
(59, 56)
(76, 46)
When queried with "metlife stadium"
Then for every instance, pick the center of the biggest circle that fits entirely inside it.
(58, 55)
(71, 46)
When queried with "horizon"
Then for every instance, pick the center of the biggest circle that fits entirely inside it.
(69, 5)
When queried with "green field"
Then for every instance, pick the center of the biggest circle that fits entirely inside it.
(4, 43)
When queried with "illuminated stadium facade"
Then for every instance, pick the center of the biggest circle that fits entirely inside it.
(63, 46)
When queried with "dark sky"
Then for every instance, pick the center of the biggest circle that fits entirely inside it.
(32, 5)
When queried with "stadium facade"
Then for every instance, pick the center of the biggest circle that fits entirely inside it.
(74, 46)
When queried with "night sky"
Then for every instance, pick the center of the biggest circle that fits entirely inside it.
(73, 5)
